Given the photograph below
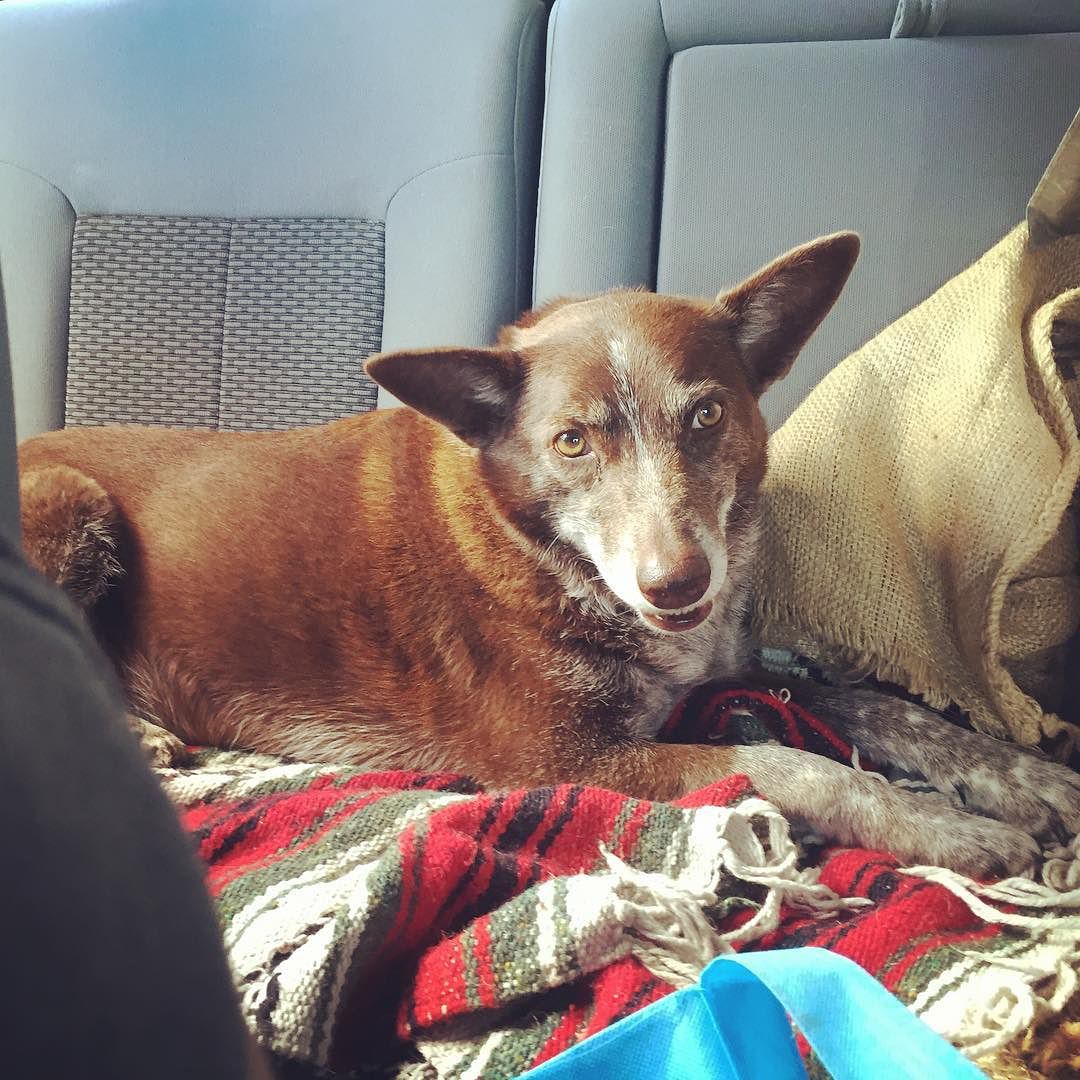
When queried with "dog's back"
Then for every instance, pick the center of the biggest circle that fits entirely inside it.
(338, 592)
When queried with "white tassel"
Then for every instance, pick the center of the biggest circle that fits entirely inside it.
(1019, 891)
(1004, 994)
(672, 935)
(1061, 869)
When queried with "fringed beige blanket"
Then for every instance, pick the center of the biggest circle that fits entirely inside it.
(917, 513)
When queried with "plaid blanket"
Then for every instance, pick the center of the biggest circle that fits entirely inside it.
(417, 925)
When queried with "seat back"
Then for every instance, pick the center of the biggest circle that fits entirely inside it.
(686, 142)
(211, 213)
(9, 492)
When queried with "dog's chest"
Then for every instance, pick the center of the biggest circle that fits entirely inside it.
(672, 665)
(685, 660)
(643, 674)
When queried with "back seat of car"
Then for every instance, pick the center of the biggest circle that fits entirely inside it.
(210, 214)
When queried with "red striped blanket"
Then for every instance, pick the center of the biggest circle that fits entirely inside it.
(418, 925)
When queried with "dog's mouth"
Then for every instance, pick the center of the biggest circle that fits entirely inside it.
(677, 621)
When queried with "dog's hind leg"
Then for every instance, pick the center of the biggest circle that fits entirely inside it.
(70, 528)
(162, 747)
(70, 531)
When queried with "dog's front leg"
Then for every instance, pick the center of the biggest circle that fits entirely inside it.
(833, 800)
(993, 777)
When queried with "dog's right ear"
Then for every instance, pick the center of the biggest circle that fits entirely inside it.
(469, 391)
(773, 313)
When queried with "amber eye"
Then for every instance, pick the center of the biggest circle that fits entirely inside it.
(571, 443)
(707, 414)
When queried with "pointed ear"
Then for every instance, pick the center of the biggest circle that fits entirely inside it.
(773, 313)
(470, 391)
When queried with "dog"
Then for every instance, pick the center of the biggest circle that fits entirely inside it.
(516, 577)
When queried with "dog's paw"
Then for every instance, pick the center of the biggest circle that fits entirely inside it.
(1015, 785)
(1038, 795)
(976, 846)
(162, 748)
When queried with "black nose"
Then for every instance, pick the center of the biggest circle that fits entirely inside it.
(677, 583)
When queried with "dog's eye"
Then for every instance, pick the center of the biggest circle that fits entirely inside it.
(571, 443)
(707, 414)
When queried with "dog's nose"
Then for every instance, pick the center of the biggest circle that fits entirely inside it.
(675, 584)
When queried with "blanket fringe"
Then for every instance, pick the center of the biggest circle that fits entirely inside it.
(668, 921)
(1011, 992)
(1061, 868)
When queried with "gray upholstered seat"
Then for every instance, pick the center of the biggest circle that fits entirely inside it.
(688, 141)
(237, 202)
(9, 501)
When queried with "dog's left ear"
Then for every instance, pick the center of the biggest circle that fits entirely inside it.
(773, 313)
(470, 391)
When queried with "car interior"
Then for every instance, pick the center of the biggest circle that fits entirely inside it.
(212, 212)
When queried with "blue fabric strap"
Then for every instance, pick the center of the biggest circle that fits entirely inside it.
(734, 1026)
(856, 1027)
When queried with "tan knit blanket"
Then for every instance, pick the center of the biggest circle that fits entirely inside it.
(917, 513)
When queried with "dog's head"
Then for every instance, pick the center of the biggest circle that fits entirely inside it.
(625, 428)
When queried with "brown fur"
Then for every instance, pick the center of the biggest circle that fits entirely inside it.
(425, 588)
(70, 528)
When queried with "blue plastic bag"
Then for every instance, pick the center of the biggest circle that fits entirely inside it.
(734, 1026)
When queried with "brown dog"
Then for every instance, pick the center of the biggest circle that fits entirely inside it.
(516, 578)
